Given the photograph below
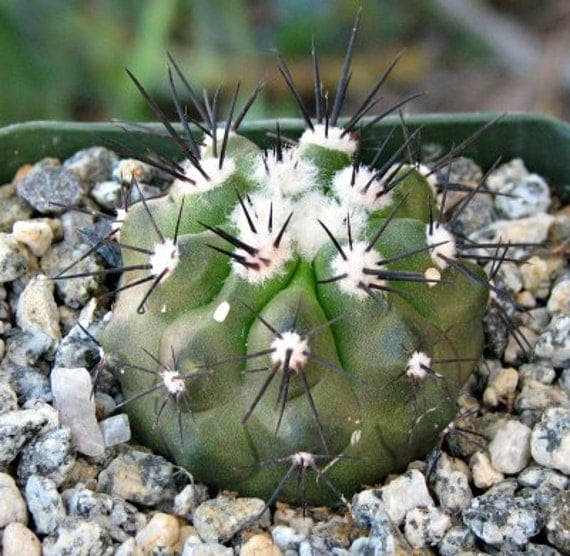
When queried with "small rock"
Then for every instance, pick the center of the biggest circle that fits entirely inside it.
(72, 398)
(188, 499)
(115, 430)
(17, 428)
(45, 504)
(128, 169)
(219, 519)
(50, 455)
(368, 511)
(536, 396)
(286, 538)
(450, 482)
(457, 540)
(27, 382)
(522, 193)
(92, 165)
(27, 348)
(78, 537)
(500, 519)
(510, 447)
(534, 476)
(12, 209)
(550, 440)
(558, 522)
(36, 235)
(259, 545)
(8, 399)
(162, 531)
(13, 259)
(425, 526)
(75, 292)
(37, 309)
(107, 194)
(206, 549)
(559, 300)
(48, 187)
(483, 473)
(18, 540)
(500, 386)
(139, 477)
(537, 372)
(404, 493)
(554, 343)
(13, 506)
(129, 548)
(119, 518)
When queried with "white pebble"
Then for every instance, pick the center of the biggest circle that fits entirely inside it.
(115, 430)
(559, 300)
(510, 447)
(482, 471)
(404, 493)
(18, 540)
(36, 235)
(502, 383)
(72, 397)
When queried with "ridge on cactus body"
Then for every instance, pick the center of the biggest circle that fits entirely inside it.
(294, 310)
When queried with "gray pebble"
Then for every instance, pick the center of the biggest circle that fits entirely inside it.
(45, 504)
(553, 345)
(26, 348)
(425, 526)
(17, 428)
(533, 549)
(558, 522)
(48, 455)
(92, 165)
(75, 292)
(107, 194)
(457, 540)
(188, 499)
(139, 477)
(498, 519)
(78, 537)
(13, 507)
(534, 476)
(14, 260)
(48, 183)
(219, 519)
(550, 440)
(539, 371)
(77, 227)
(119, 518)
(8, 399)
(72, 397)
(12, 208)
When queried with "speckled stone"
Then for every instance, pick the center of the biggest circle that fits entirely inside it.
(550, 440)
(458, 540)
(450, 482)
(36, 235)
(554, 343)
(78, 537)
(8, 399)
(16, 428)
(50, 455)
(426, 526)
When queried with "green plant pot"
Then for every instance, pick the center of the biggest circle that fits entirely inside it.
(543, 143)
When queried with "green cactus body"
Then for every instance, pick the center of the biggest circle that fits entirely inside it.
(301, 307)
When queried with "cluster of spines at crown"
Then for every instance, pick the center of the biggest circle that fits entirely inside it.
(259, 250)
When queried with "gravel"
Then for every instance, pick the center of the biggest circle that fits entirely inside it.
(72, 482)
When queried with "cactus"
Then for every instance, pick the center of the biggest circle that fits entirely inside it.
(293, 311)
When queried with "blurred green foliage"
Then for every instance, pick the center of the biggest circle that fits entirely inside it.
(65, 59)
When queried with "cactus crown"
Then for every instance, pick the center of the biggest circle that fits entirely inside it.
(285, 307)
